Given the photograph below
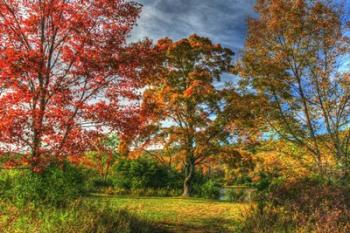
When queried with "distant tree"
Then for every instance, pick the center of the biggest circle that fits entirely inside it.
(295, 57)
(66, 73)
(105, 152)
(186, 112)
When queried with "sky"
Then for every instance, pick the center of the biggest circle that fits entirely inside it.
(223, 21)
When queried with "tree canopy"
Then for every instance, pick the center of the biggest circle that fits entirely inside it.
(66, 71)
(295, 58)
(186, 110)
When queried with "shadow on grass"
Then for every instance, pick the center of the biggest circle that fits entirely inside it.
(211, 225)
(200, 225)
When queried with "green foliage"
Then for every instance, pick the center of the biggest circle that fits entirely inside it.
(112, 141)
(101, 214)
(56, 186)
(145, 173)
(266, 179)
(5, 182)
(146, 177)
(103, 183)
(236, 195)
(210, 189)
(25, 187)
(243, 179)
(91, 179)
(62, 185)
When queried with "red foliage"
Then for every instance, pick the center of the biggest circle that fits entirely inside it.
(67, 73)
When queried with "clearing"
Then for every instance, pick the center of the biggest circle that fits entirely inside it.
(183, 215)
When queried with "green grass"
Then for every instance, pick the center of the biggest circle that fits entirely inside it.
(110, 214)
(181, 215)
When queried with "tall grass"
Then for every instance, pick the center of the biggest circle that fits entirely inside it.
(77, 217)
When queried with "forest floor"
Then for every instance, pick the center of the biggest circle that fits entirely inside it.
(183, 215)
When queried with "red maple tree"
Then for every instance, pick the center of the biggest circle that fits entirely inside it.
(66, 74)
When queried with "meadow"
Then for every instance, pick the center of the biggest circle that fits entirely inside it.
(184, 214)
(148, 214)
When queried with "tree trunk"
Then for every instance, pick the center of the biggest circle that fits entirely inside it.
(189, 174)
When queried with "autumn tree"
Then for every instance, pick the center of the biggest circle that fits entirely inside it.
(187, 112)
(294, 56)
(66, 73)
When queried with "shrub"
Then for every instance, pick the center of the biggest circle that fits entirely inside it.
(92, 179)
(94, 182)
(99, 183)
(137, 192)
(175, 192)
(162, 193)
(56, 186)
(271, 220)
(5, 181)
(210, 189)
(264, 182)
(25, 187)
(310, 204)
(62, 185)
(236, 195)
(145, 173)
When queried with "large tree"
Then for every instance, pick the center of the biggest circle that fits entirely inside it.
(66, 73)
(187, 113)
(295, 56)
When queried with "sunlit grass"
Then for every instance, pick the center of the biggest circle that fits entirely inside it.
(163, 215)
(183, 214)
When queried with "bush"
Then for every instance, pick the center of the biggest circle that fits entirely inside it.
(5, 182)
(310, 204)
(25, 187)
(99, 183)
(265, 180)
(55, 186)
(92, 179)
(145, 173)
(62, 185)
(210, 189)
(236, 195)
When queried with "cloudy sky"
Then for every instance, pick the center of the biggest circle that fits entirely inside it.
(223, 21)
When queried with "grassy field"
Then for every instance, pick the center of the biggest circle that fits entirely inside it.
(179, 215)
